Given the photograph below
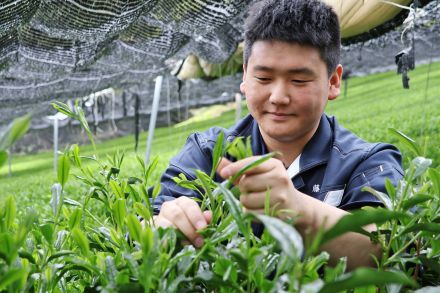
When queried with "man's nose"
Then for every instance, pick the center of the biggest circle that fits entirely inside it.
(280, 93)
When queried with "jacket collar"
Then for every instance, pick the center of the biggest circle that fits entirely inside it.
(316, 151)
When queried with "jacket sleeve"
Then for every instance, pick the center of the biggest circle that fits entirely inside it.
(381, 162)
(195, 155)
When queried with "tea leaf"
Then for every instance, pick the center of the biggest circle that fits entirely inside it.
(75, 218)
(147, 240)
(426, 227)
(57, 198)
(406, 141)
(434, 175)
(59, 254)
(74, 151)
(142, 210)
(48, 231)
(11, 276)
(217, 153)
(81, 240)
(134, 227)
(3, 157)
(421, 164)
(253, 164)
(15, 130)
(380, 195)
(367, 277)
(119, 211)
(63, 169)
(117, 190)
(10, 211)
(286, 235)
(415, 200)
(234, 207)
(355, 221)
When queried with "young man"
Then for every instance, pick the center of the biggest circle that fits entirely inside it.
(291, 69)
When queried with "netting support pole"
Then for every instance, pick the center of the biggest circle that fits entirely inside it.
(238, 98)
(55, 145)
(153, 117)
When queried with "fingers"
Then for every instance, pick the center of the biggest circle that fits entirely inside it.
(229, 169)
(184, 214)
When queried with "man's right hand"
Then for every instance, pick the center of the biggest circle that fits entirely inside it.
(184, 214)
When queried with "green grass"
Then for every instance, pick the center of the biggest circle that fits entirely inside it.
(373, 104)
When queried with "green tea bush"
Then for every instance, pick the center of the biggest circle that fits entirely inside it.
(98, 243)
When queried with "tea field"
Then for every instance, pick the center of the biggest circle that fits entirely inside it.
(78, 230)
(371, 106)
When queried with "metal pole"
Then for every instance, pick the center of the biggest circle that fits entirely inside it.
(238, 99)
(153, 117)
(55, 145)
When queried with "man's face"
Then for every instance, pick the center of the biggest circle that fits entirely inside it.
(287, 88)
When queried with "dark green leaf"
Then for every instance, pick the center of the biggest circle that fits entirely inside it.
(27, 255)
(285, 234)
(426, 227)
(60, 254)
(48, 232)
(3, 157)
(355, 221)
(217, 153)
(365, 277)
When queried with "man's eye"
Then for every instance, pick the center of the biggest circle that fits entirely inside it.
(262, 78)
(300, 81)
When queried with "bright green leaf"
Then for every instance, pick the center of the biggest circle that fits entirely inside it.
(81, 240)
(75, 218)
(63, 169)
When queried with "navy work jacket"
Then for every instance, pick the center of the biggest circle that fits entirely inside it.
(334, 165)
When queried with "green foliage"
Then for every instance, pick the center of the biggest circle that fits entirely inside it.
(13, 132)
(98, 243)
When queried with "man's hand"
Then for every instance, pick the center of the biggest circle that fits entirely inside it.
(269, 176)
(185, 215)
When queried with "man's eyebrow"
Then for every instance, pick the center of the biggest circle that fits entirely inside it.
(300, 70)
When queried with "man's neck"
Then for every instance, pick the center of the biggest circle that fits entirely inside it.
(289, 150)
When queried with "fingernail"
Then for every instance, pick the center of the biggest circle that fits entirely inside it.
(200, 225)
(198, 242)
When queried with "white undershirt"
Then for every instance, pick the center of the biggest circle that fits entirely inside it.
(294, 167)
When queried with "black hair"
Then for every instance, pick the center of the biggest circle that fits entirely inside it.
(304, 22)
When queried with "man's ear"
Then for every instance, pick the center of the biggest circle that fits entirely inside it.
(242, 84)
(335, 83)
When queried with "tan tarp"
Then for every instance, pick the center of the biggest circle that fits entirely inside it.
(359, 16)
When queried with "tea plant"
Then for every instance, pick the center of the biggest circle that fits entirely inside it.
(99, 243)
